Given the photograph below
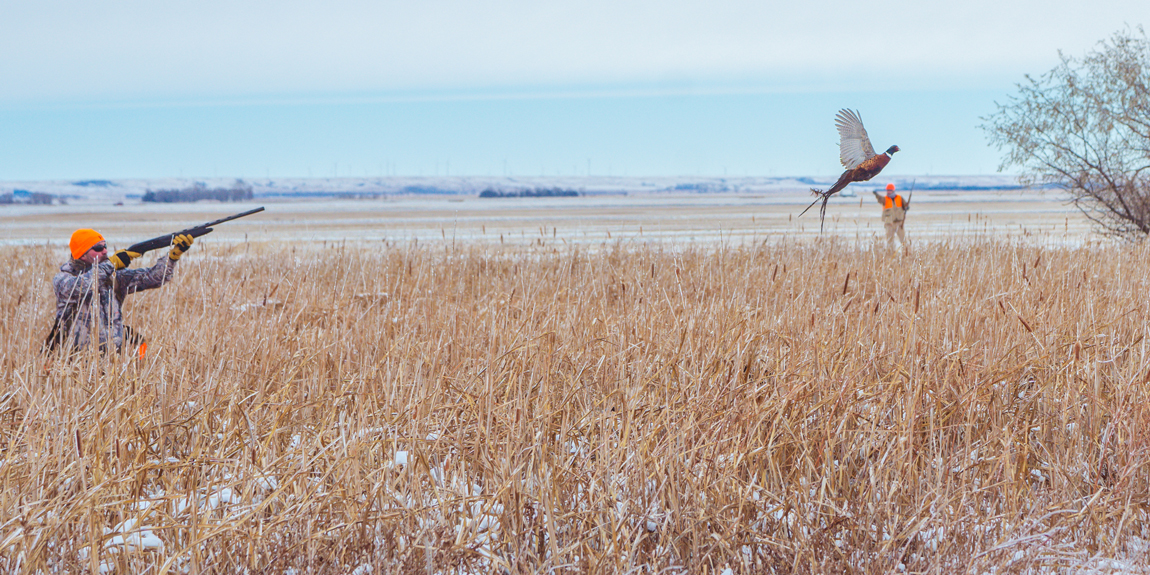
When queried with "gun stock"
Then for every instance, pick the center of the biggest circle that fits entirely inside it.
(197, 231)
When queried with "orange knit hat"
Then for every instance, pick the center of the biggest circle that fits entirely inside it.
(890, 187)
(82, 241)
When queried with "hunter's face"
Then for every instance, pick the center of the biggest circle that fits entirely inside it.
(98, 253)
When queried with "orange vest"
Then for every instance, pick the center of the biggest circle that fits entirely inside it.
(897, 202)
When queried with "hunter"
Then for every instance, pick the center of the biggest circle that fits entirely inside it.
(894, 208)
(92, 274)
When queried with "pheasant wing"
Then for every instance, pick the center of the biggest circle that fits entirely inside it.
(854, 144)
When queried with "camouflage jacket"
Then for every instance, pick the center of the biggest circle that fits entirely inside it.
(77, 286)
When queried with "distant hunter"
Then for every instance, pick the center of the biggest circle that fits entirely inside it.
(894, 208)
(91, 288)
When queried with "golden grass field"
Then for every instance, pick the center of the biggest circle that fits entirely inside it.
(787, 405)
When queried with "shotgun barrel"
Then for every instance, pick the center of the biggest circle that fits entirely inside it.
(200, 230)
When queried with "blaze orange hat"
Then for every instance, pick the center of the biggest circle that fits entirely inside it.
(82, 241)
(890, 187)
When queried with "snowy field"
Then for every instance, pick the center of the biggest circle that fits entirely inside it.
(748, 211)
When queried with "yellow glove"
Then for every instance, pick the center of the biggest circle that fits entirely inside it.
(180, 244)
(122, 258)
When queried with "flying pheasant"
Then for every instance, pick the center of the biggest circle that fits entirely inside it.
(857, 156)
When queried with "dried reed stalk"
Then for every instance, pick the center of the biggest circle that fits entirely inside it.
(625, 407)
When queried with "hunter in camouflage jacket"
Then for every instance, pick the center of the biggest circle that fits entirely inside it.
(77, 286)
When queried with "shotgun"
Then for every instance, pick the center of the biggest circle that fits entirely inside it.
(200, 230)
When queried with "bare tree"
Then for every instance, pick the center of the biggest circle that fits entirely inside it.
(1084, 127)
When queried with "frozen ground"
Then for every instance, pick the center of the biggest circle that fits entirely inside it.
(129, 190)
(736, 217)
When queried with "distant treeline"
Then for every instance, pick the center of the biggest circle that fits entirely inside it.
(237, 193)
(95, 183)
(26, 197)
(426, 190)
(356, 195)
(532, 193)
(953, 187)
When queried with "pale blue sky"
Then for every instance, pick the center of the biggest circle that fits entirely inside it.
(247, 89)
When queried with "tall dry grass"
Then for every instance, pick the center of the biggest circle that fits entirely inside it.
(820, 407)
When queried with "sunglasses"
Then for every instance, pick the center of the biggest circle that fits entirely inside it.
(100, 248)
